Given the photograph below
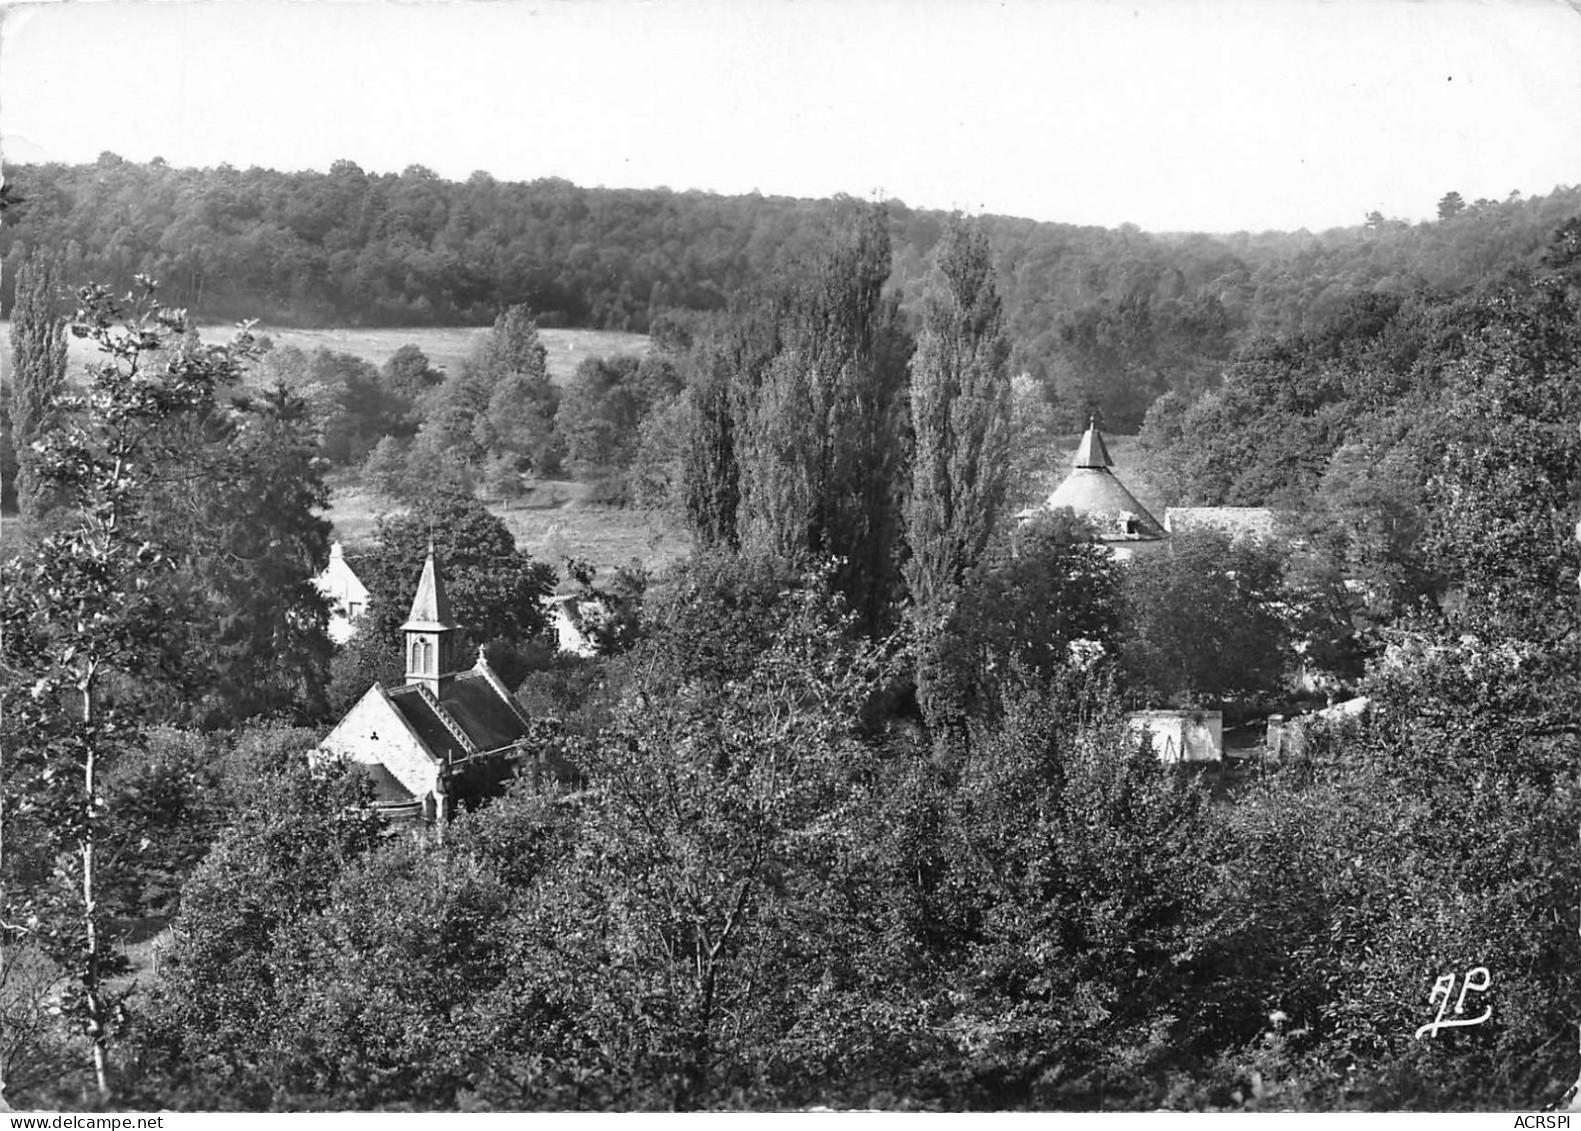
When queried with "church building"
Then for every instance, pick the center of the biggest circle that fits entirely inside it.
(443, 737)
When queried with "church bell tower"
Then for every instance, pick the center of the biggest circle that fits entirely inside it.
(429, 629)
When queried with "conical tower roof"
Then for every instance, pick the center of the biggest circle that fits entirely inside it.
(1092, 452)
(1091, 490)
(430, 607)
(1095, 493)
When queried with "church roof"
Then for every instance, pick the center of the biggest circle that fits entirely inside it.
(483, 711)
(1092, 452)
(430, 607)
(471, 702)
(439, 742)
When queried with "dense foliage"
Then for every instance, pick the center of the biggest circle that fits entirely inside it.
(84, 648)
(1207, 621)
(38, 373)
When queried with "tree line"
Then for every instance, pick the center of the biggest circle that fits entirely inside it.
(1106, 320)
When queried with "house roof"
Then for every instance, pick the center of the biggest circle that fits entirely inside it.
(1258, 523)
(430, 607)
(1096, 494)
(339, 582)
(1092, 491)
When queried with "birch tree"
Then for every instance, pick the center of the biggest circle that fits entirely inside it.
(85, 625)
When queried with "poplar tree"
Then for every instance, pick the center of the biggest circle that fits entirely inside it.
(960, 415)
(727, 367)
(38, 365)
(796, 446)
(820, 437)
(710, 479)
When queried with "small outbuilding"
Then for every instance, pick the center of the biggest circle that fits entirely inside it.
(346, 594)
(1182, 736)
(1290, 738)
(566, 619)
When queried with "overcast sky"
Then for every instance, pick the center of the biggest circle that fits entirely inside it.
(1214, 115)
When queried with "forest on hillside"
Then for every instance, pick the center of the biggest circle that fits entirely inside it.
(1106, 320)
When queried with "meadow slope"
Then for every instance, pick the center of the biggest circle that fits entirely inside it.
(446, 346)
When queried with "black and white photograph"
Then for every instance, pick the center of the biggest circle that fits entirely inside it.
(790, 556)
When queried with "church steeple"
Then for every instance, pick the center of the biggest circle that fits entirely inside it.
(428, 629)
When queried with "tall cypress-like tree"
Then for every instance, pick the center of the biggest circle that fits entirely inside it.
(727, 366)
(710, 479)
(820, 436)
(960, 414)
(38, 362)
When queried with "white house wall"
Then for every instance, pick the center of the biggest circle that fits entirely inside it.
(346, 594)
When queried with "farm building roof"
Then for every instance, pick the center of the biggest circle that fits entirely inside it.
(1258, 523)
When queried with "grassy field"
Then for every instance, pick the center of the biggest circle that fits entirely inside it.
(553, 522)
(448, 346)
(445, 345)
